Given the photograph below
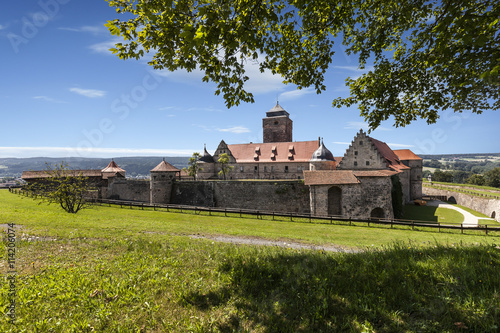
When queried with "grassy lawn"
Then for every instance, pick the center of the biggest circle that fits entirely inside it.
(120, 270)
(432, 214)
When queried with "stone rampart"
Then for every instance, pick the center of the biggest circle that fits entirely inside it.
(489, 207)
(280, 196)
(277, 196)
(130, 190)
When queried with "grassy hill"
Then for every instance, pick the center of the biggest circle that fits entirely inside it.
(108, 269)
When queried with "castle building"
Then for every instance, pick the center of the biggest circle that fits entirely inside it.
(277, 157)
(359, 184)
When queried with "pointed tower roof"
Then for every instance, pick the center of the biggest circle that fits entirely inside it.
(206, 158)
(165, 167)
(277, 111)
(322, 154)
(112, 167)
(112, 170)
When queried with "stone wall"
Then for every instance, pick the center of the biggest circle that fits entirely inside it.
(126, 189)
(489, 207)
(282, 196)
(356, 200)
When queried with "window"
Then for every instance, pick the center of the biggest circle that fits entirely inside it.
(360, 143)
(265, 169)
(241, 169)
(255, 168)
(356, 152)
(286, 168)
(367, 162)
(355, 163)
(272, 168)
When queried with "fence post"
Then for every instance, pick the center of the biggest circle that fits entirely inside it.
(142, 206)
(331, 220)
(439, 227)
(486, 230)
(462, 228)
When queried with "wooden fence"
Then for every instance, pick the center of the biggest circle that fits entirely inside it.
(294, 217)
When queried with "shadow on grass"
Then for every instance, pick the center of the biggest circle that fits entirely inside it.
(420, 213)
(442, 289)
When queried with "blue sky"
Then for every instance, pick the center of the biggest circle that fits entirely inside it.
(64, 94)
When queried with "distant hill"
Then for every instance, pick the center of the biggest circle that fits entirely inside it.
(452, 156)
(141, 165)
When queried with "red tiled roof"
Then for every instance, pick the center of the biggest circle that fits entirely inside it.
(388, 154)
(301, 151)
(66, 173)
(374, 173)
(165, 166)
(333, 177)
(406, 154)
(113, 167)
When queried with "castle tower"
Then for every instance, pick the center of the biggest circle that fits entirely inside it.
(322, 159)
(277, 126)
(162, 179)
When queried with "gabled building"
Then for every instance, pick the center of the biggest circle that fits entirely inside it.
(363, 182)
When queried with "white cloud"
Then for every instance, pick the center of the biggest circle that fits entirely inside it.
(20, 152)
(104, 47)
(355, 68)
(97, 29)
(2, 27)
(356, 125)
(48, 99)
(235, 130)
(207, 109)
(294, 94)
(341, 143)
(91, 93)
(400, 145)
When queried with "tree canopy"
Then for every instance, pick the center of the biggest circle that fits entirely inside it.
(423, 56)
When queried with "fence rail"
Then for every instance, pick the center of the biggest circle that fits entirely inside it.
(294, 217)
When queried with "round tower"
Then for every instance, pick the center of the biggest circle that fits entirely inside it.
(161, 184)
(322, 159)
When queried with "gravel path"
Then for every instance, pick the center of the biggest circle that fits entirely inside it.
(266, 242)
(469, 219)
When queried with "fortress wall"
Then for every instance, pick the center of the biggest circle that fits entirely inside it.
(356, 200)
(125, 189)
(489, 207)
(282, 196)
(193, 193)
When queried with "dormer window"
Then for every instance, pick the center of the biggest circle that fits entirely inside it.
(257, 150)
(274, 149)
